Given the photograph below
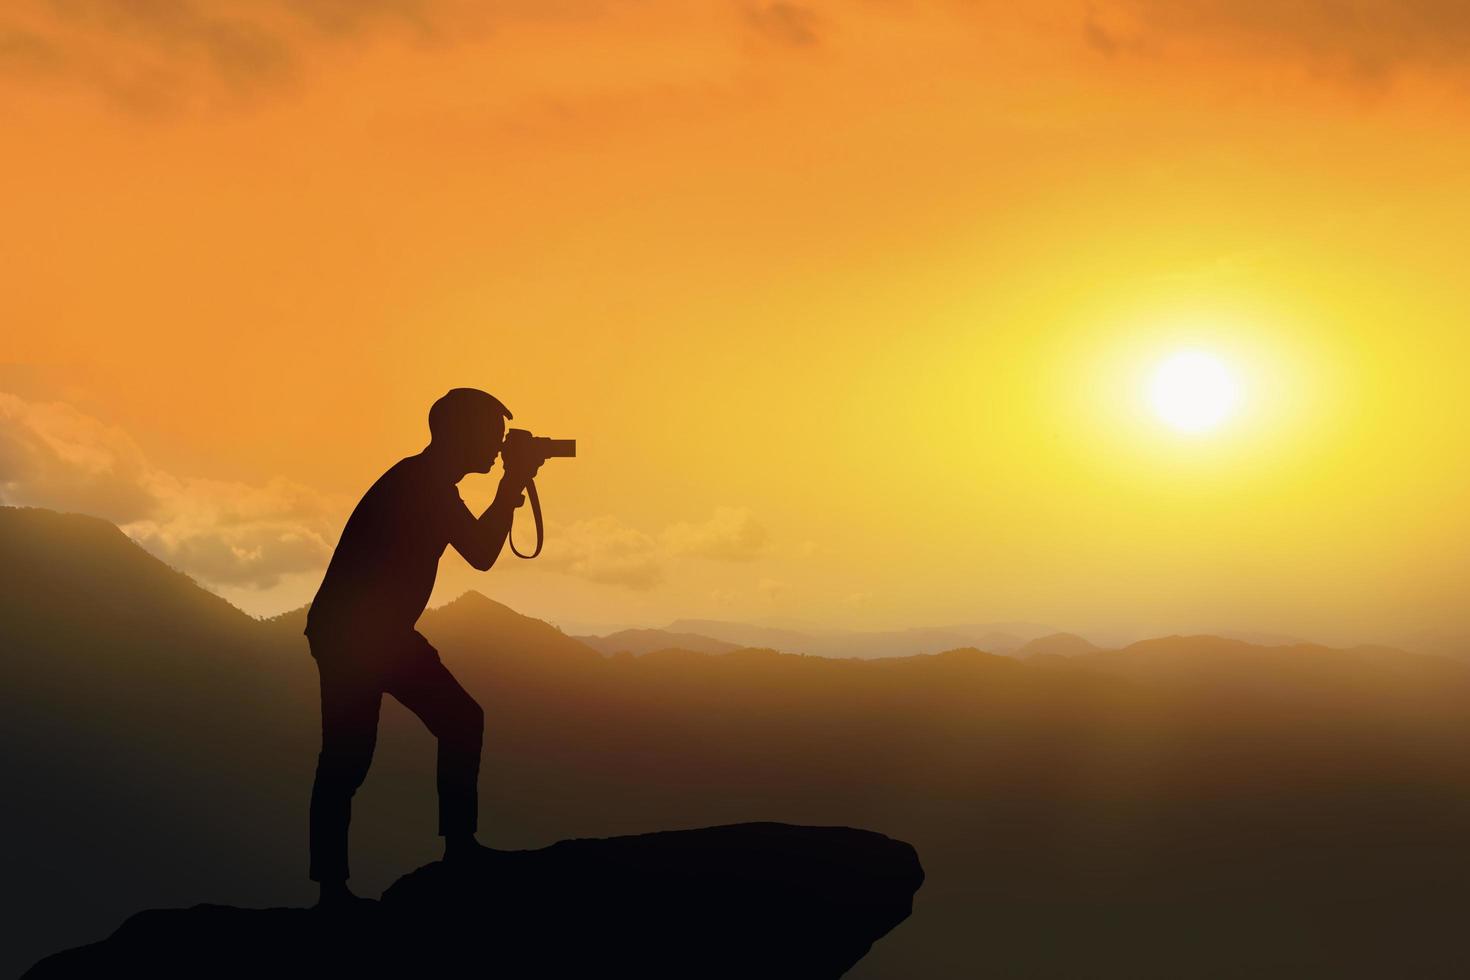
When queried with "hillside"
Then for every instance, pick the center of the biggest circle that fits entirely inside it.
(641, 641)
(1296, 810)
(857, 643)
(1056, 645)
(57, 564)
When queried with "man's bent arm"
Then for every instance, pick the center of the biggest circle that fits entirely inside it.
(480, 539)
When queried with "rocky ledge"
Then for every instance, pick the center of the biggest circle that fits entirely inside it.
(745, 900)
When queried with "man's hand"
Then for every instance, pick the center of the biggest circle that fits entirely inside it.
(479, 539)
(518, 472)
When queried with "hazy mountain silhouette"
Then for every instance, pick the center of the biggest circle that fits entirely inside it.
(1186, 806)
(1223, 665)
(1056, 644)
(641, 641)
(1442, 644)
(1000, 637)
(473, 616)
(1259, 638)
(739, 901)
(996, 638)
(74, 573)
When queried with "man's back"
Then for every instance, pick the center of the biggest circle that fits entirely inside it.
(383, 569)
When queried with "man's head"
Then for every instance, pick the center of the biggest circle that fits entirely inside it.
(467, 426)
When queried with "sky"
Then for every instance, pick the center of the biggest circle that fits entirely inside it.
(852, 307)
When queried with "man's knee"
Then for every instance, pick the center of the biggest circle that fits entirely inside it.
(465, 724)
(343, 770)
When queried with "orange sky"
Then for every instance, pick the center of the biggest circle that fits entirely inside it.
(848, 304)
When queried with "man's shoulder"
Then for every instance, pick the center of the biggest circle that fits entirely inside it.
(402, 477)
(407, 468)
(410, 485)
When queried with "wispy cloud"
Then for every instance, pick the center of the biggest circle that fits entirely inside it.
(731, 534)
(55, 456)
(165, 56)
(605, 550)
(221, 532)
(1362, 42)
(251, 536)
(794, 24)
(168, 57)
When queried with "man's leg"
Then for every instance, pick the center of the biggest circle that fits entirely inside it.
(426, 687)
(350, 701)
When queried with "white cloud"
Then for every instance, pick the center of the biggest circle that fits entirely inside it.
(223, 533)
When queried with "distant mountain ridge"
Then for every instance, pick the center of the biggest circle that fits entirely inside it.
(641, 641)
(1180, 793)
(996, 638)
(1057, 644)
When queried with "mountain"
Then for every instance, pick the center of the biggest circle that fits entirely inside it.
(1193, 661)
(60, 564)
(848, 643)
(472, 617)
(1000, 637)
(641, 641)
(1056, 644)
(1183, 806)
(1455, 645)
(1259, 638)
(767, 900)
(147, 730)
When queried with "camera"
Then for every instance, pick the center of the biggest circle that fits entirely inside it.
(522, 447)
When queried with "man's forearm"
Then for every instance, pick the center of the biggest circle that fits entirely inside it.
(496, 520)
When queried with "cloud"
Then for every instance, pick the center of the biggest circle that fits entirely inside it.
(165, 56)
(54, 456)
(252, 536)
(1098, 35)
(605, 550)
(168, 57)
(724, 597)
(24, 54)
(238, 534)
(786, 23)
(732, 534)
(223, 533)
(1363, 41)
(772, 590)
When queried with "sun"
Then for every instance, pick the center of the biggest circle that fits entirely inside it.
(1193, 391)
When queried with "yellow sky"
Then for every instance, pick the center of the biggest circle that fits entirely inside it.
(850, 306)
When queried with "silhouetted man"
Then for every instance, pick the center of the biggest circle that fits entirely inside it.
(361, 625)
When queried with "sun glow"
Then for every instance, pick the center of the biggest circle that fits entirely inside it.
(1193, 391)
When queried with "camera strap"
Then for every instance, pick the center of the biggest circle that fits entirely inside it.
(535, 513)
